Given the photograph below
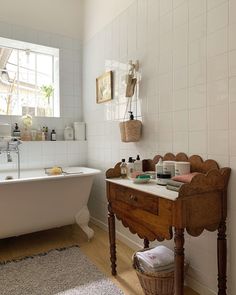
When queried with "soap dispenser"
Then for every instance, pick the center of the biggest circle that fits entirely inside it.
(138, 166)
(131, 116)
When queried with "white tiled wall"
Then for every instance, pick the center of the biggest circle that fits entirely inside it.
(43, 154)
(70, 74)
(187, 52)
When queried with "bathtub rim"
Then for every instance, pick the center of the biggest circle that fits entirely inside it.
(91, 172)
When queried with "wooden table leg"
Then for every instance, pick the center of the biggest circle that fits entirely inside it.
(179, 261)
(145, 243)
(222, 258)
(112, 239)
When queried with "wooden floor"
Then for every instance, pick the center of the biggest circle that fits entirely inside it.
(97, 250)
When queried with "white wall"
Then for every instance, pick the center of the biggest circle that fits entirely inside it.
(62, 17)
(98, 13)
(187, 51)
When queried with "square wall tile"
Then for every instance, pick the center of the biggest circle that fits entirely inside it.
(180, 142)
(218, 117)
(197, 96)
(180, 14)
(218, 142)
(232, 89)
(232, 37)
(213, 3)
(197, 73)
(232, 63)
(165, 6)
(180, 121)
(197, 27)
(197, 142)
(180, 78)
(232, 11)
(197, 50)
(217, 42)
(180, 99)
(218, 92)
(196, 8)
(217, 67)
(232, 116)
(217, 18)
(197, 119)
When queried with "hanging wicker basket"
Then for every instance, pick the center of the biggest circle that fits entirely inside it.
(131, 130)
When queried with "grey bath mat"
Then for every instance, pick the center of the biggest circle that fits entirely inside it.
(67, 272)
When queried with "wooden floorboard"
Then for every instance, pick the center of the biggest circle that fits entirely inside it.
(97, 250)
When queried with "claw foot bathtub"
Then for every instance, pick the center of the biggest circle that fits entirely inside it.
(38, 202)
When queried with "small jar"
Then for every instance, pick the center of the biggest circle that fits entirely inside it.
(68, 133)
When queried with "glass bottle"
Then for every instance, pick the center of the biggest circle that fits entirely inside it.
(123, 169)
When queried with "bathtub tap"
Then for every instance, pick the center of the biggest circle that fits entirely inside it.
(11, 146)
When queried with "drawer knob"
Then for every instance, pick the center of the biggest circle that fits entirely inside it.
(133, 198)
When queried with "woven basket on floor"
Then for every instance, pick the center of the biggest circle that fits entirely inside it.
(158, 283)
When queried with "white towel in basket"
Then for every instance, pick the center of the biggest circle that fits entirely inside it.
(158, 257)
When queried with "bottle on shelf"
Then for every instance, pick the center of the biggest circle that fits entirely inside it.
(53, 135)
(138, 165)
(16, 131)
(46, 133)
(130, 167)
(123, 169)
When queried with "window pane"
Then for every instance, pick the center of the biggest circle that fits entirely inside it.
(27, 59)
(44, 64)
(28, 79)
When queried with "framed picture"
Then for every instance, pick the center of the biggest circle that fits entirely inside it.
(104, 87)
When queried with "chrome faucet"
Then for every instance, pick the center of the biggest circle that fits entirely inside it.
(8, 148)
(9, 157)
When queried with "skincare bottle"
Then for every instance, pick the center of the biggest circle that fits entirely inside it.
(130, 167)
(46, 133)
(16, 131)
(159, 167)
(53, 135)
(123, 169)
(138, 166)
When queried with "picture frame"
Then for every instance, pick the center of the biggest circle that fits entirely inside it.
(104, 87)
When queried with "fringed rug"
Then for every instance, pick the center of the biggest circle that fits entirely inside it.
(58, 272)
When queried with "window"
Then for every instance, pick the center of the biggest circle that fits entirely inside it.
(29, 79)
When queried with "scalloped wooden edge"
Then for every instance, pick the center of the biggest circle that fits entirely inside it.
(197, 163)
(214, 179)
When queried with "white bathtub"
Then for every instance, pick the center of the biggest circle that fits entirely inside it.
(38, 202)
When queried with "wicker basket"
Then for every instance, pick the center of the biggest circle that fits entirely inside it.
(158, 283)
(130, 130)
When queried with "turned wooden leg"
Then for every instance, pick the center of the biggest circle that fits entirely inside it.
(146, 243)
(222, 258)
(179, 261)
(112, 239)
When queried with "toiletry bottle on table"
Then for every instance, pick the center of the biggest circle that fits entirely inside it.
(138, 166)
(159, 167)
(123, 169)
(130, 167)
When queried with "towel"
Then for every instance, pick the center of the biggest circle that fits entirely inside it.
(157, 257)
(173, 188)
(186, 178)
(174, 183)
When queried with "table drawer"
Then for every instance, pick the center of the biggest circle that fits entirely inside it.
(135, 198)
